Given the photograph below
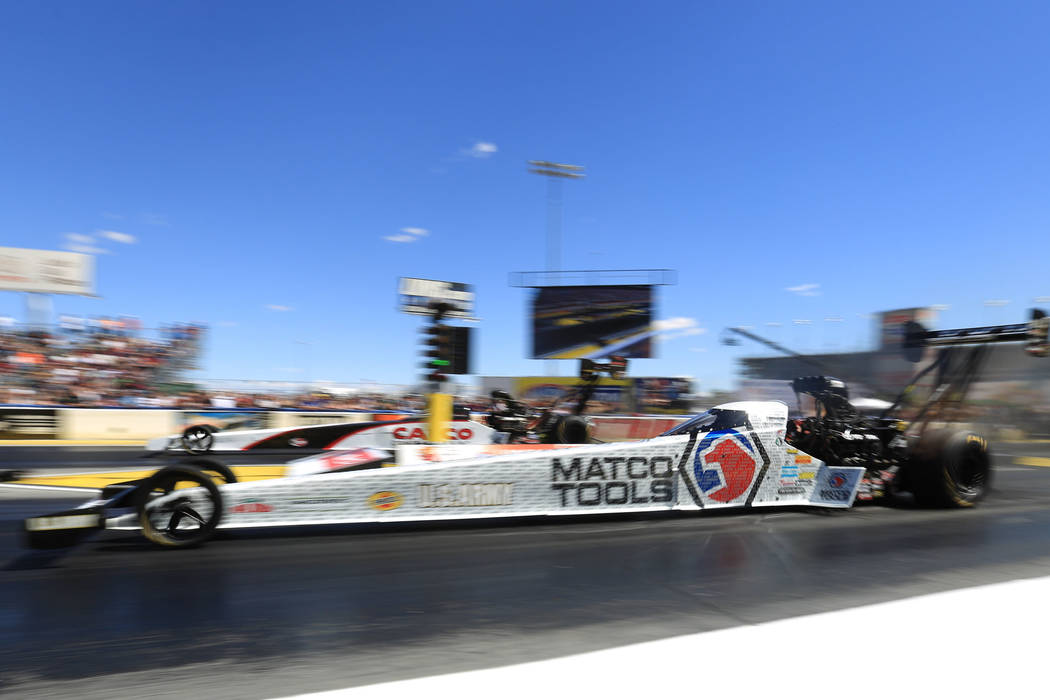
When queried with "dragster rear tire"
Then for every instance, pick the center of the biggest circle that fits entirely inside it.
(164, 481)
(950, 469)
(570, 430)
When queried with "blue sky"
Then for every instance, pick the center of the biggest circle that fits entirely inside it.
(260, 154)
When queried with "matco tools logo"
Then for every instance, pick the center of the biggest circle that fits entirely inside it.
(725, 465)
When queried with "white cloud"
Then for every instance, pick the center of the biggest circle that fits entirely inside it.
(86, 249)
(117, 236)
(673, 324)
(677, 327)
(805, 290)
(82, 243)
(278, 307)
(482, 149)
(408, 235)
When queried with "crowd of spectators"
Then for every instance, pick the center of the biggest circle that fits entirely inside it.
(93, 362)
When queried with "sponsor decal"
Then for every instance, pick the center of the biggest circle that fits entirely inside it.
(788, 471)
(465, 495)
(834, 495)
(251, 507)
(406, 432)
(725, 465)
(63, 522)
(803, 459)
(791, 490)
(298, 442)
(808, 476)
(317, 501)
(977, 440)
(350, 458)
(385, 500)
(836, 486)
(597, 481)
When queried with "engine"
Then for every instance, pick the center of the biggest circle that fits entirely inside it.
(839, 435)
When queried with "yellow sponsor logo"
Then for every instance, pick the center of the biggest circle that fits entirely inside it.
(978, 440)
(806, 475)
(385, 500)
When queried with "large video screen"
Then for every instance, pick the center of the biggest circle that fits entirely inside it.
(592, 322)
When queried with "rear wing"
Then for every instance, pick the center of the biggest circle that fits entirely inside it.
(1033, 334)
(954, 373)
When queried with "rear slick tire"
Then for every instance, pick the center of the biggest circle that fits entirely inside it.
(951, 469)
(572, 430)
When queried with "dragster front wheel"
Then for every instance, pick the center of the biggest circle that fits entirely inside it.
(198, 439)
(179, 506)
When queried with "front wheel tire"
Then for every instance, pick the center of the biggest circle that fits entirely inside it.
(198, 439)
(179, 506)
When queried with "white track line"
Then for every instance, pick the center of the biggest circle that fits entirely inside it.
(983, 642)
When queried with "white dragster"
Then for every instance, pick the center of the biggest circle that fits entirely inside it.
(733, 456)
(204, 438)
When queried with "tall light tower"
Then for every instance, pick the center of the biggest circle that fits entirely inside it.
(555, 173)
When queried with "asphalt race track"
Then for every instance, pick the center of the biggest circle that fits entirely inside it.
(277, 613)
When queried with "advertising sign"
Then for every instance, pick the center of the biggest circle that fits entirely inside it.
(592, 321)
(610, 396)
(891, 325)
(46, 271)
(28, 423)
(224, 420)
(662, 395)
(415, 296)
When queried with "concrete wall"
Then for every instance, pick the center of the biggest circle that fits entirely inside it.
(112, 423)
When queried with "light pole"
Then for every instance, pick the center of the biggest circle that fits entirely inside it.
(555, 173)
